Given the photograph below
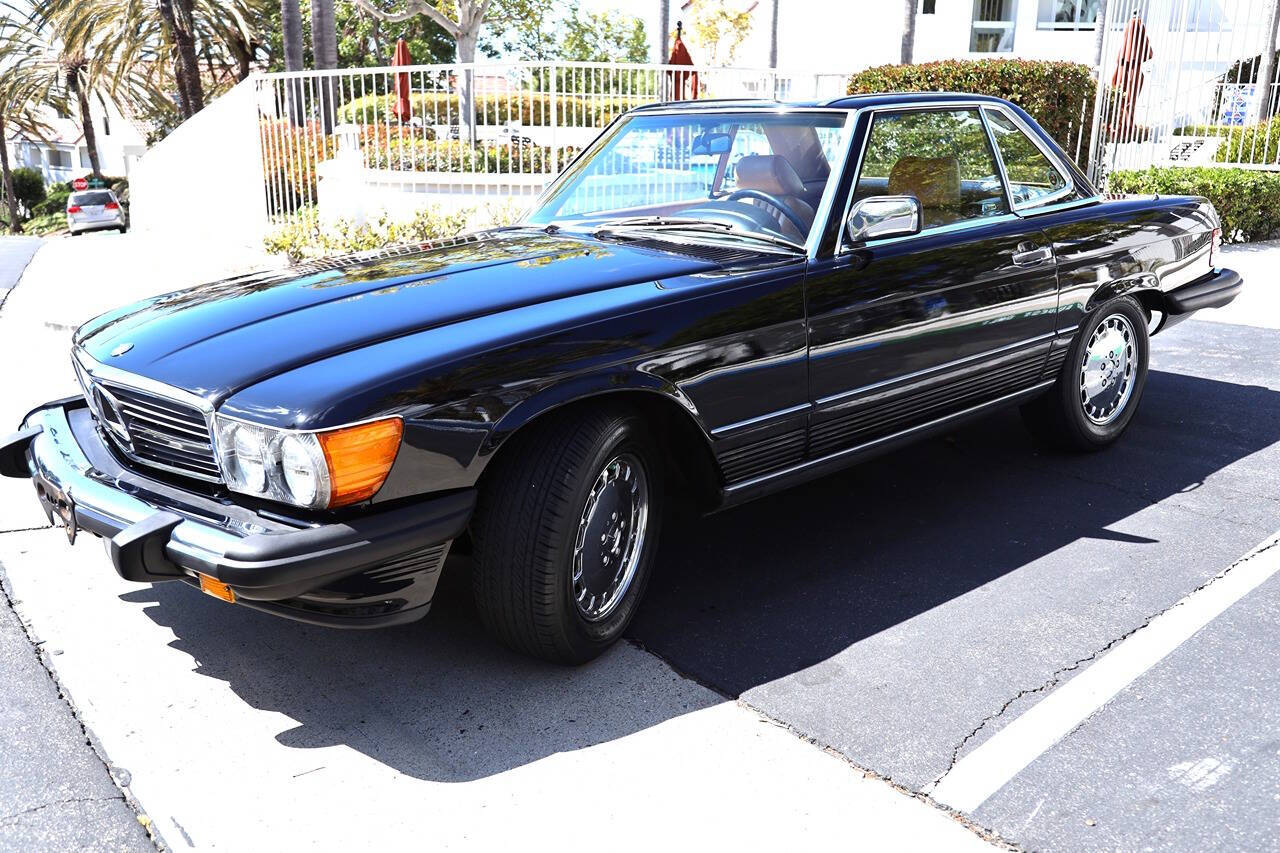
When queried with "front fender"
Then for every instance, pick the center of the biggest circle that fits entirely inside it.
(574, 389)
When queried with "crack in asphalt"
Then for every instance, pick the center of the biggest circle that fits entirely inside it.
(988, 835)
(1056, 677)
(27, 529)
(13, 818)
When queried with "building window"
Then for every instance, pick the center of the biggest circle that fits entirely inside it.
(928, 7)
(1067, 15)
(85, 162)
(59, 159)
(993, 25)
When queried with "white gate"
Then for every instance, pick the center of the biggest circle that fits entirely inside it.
(1181, 84)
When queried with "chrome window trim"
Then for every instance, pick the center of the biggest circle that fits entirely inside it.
(95, 369)
(844, 247)
(1058, 166)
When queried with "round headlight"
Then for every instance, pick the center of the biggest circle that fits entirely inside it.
(246, 445)
(302, 464)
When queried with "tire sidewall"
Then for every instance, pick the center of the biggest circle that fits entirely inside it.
(1100, 435)
(626, 435)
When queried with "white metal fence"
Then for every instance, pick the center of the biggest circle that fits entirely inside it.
(1180, 85)
(342, 144)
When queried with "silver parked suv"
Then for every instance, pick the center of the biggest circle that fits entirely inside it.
(94, 210)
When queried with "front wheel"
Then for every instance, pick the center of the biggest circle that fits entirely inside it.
(1100, 383)
(565, 531)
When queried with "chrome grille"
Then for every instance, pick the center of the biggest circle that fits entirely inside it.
(155, 430)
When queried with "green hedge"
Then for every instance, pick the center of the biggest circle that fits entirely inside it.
(1256, 143)
(531, 109)
(1051, 92)
(1247, 200)
(420, 155)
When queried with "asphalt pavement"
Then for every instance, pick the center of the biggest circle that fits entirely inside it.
(56, 792)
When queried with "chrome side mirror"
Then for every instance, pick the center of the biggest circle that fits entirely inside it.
(880, 216)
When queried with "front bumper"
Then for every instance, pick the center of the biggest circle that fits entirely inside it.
(368, 570)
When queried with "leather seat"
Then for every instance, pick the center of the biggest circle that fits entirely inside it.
(772, 174)
(934, 181)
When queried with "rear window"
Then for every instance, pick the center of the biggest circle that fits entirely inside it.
(92, 197)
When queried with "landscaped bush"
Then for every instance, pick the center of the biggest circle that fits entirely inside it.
(28, 187)
(415, 154)
(290, 153)
(309, 239)
(55, 201)
(48, 223)
(531, 109)
(1051, 92)
(1256, 143)
(1247, 200)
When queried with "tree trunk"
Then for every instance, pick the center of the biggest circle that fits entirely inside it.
(664, 31)
(186, 67)
(1267, 72)
(291, 33)
(1102, 31)
(908, 31)
(773, 36)
(14, 227)
(86, 122)
(466, 84)
(324, 48)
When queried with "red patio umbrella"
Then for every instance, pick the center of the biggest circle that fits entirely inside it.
(402, 108)
(1126, 80)
(683, 85)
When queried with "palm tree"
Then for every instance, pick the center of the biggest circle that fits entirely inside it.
(42, 68)
(908, 31)
(166, 37)
(324, 50)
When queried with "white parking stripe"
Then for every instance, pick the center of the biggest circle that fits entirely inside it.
(990, 766)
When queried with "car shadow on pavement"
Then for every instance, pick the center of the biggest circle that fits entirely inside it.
(740, 598)
(768, 589)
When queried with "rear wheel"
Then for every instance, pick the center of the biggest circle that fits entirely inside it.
(565, 531)
(1100, 383)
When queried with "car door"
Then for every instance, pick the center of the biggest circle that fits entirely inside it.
(905, 330)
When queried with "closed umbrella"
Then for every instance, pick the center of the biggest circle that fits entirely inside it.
(1126, 80)
(683, 85)
(402, 109)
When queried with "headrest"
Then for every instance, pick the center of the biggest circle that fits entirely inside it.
(934, 181)
(768, 173)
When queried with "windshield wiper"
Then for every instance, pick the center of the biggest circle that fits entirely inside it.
(662, 223)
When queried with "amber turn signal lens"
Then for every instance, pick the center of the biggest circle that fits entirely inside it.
(217, 588)
(359, 458)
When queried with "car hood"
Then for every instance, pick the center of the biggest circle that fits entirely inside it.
(218, 338)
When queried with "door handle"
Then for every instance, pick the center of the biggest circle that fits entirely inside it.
(1026, 256)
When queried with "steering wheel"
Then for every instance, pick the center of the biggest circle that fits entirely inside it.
(771, 200)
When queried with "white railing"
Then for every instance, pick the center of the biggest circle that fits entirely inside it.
(1194, 101)
(345, 143)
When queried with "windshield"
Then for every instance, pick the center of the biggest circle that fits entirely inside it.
(749, 172)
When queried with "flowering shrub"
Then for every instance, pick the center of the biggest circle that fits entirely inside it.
(306, 238)
(531, 109)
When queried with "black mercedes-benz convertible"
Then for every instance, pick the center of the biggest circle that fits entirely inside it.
(718, 300)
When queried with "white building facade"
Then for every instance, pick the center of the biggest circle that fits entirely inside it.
(62, 155)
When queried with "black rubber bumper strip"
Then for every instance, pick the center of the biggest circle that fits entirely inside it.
(1212, 291)
(275, 566)
(13, 452)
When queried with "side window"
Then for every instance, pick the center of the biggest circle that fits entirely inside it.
(942, 157)
(1033, 179)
